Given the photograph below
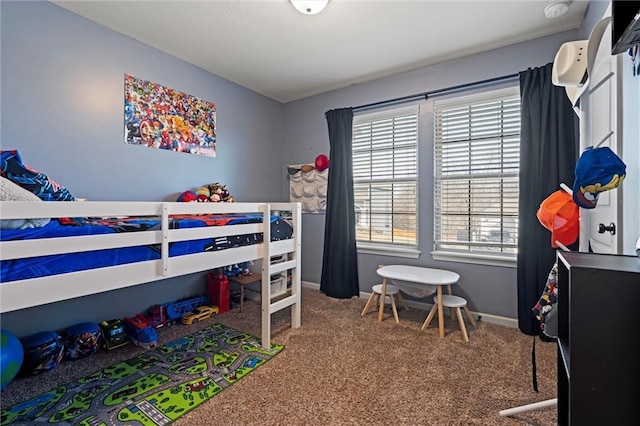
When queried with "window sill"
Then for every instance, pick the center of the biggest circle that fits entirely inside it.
(388, 250)
(478, 259)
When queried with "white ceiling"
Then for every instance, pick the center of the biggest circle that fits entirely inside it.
(269, 47)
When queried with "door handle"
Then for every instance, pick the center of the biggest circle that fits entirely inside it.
(611, 228)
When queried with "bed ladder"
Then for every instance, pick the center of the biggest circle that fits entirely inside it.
(269, 269)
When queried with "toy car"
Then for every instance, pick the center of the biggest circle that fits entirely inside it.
(199, 314)
(140, 334)
(138, 321)
(113, 335)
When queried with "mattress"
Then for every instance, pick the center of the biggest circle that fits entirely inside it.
(20, 269)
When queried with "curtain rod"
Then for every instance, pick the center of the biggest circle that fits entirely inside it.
(425, 95)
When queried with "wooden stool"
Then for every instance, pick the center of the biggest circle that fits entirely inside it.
(392, 291)
(243, 280)
(454, 302)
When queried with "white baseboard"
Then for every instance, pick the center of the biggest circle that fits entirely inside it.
(493, 319)
(496, 319)
(309, 284)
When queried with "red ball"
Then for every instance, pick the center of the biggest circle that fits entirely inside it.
(322, 162)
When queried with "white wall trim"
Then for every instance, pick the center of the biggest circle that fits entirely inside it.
(309, 284)
(477, 259)
(492, 319)
(496, 319)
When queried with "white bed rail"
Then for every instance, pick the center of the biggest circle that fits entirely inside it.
(27, 293)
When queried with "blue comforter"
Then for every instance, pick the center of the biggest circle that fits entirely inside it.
(19, 269)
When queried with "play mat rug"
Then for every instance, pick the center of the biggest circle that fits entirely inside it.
(154, 388)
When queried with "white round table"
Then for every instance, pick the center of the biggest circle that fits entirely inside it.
(419, 275)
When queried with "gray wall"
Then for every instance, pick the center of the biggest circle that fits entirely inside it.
(63, 109)
(488, 289)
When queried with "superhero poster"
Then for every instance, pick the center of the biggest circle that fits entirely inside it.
(156, 116)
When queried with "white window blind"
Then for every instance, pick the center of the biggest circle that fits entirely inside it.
(477, 156)
(385, 174)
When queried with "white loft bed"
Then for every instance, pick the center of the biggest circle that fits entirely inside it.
(15, 295)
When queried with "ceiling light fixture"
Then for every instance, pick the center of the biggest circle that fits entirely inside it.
(309, 7)
(555, 9)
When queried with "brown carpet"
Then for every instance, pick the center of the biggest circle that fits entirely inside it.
(342, 369)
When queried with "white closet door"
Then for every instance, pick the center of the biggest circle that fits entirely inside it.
(601, 111)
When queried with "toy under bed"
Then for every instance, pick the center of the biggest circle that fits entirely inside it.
(40, 266)
(92, 247)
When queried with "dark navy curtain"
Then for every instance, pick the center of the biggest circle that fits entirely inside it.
(340, 260)
(549, 146)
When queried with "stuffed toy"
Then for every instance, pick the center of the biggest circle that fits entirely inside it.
(226, 196)
(215, 191)
(211, 193)
(237, 270)
(245, 268)
(203, 194)
(219, 193)
(225, 193)
(187, 196)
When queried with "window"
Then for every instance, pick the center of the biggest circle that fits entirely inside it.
(477, 156)
(385, 174)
